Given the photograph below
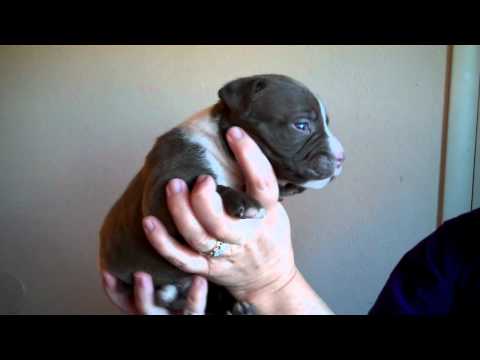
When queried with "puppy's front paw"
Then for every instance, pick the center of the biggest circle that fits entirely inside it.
(240, 205)
(247, 210)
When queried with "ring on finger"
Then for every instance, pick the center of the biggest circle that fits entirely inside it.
(219, 249)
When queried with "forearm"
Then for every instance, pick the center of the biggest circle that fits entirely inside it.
(296, 297)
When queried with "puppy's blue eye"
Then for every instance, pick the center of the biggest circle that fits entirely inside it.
(302, 126)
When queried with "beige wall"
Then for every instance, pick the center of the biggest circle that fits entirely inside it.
(76, 122)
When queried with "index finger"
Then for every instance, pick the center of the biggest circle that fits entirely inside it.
(258, 172)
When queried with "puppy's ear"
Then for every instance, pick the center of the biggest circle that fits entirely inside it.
(239, 94)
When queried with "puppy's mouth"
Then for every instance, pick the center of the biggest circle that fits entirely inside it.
(314, 172)
(315, 175)
(316, 180)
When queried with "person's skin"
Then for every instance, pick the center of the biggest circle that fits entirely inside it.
(258, 267)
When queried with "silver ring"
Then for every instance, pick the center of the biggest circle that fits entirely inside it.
(219, 249)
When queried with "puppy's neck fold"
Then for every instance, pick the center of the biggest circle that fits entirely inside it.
(208, 128)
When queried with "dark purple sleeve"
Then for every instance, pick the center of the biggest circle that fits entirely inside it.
(439, 276)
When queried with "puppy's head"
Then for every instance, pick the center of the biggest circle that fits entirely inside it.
(289, 124)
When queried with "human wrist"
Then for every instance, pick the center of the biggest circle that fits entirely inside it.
(264, 282)
(293, 297)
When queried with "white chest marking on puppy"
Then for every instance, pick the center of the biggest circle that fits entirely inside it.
(202, 129)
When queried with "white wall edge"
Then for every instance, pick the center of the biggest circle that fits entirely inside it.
(476, 181)
(462, 129)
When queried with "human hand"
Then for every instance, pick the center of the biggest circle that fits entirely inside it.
(142, 302)
(259, 256)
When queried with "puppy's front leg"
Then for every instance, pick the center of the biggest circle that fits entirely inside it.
(240, 205)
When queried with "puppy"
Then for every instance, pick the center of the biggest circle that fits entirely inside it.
(289, 125)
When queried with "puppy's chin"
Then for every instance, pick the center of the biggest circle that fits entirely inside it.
(317, 184)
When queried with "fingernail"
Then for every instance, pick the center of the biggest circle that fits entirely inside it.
(235, 133)
(149, 225)
(175, 186)
(202, 178)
